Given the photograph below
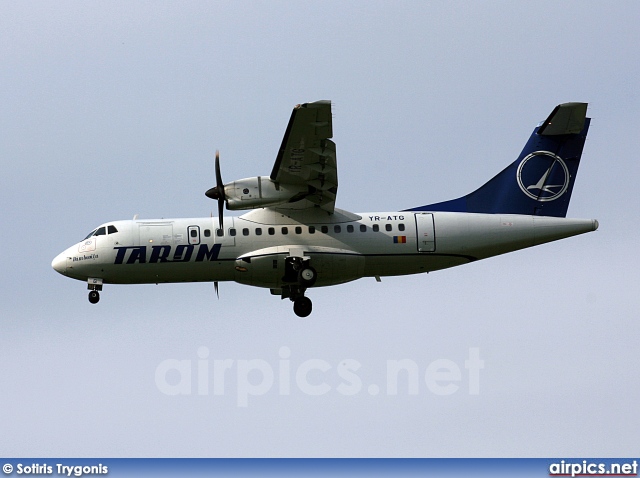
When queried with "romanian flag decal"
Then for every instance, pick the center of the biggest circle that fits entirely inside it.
(399, 239)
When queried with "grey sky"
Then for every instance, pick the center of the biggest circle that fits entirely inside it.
(115, 109)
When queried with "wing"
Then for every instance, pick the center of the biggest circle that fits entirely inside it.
(307, 157)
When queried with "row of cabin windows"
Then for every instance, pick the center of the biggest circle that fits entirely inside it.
(298, 230)
(110, 229)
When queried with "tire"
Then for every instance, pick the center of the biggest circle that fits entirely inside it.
(94, 296)
(307, 276)
(302, 306)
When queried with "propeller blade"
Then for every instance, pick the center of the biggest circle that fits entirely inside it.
(220, 188)
(220, 209)
(217, 192)
(219, 182)
(215, 287)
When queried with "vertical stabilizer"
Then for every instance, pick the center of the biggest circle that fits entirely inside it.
(540, 181)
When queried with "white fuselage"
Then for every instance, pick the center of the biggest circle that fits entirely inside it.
(342, 246)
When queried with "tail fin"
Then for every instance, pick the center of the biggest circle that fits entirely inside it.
(541, 180)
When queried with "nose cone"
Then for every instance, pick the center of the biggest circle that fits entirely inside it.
(59, 264)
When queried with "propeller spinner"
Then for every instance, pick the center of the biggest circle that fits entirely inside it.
(217, 192)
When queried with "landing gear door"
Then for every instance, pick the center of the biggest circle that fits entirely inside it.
(425, 232)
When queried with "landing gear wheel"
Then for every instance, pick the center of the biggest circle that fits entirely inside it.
(94, 296)
(307, 276)
(302, 306)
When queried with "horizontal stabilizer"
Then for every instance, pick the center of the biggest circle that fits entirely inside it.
(567, 118)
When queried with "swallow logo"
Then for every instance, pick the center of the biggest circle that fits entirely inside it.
(543, 176)
(87, 246)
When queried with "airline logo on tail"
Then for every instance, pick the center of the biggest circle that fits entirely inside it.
(543, 176)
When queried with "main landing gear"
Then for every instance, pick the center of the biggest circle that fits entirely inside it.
(94, 285)
(307, 276)
(301, 275)
(302, 306)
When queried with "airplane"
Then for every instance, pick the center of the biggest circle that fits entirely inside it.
(294, 239)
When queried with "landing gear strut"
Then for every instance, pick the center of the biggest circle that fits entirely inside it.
(301, 305)
(297, 269)
(300, 275)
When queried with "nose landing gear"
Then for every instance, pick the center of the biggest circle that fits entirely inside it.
(94, 285)
(94, 296)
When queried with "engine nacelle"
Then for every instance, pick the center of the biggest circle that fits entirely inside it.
(257, 192)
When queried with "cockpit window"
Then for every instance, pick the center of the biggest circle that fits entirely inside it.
(101, 231)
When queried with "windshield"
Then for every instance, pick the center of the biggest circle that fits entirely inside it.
(101, 231)
(89, 235)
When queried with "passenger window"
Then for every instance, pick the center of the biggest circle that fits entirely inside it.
(363, 228)
(207, 233)
(111, 229)
(312, 229)
(400, 227)
(349, 228)
(376, 228)
(258, 231)
(388, 227)
(245, 232)
(298, 230)
(324, 229)
(337, 229)
(193, 233)
(285, 230)
(219, 232)
(232, 232)
(272, 231)
(100, 231)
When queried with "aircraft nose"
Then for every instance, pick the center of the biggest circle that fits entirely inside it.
(59, 264)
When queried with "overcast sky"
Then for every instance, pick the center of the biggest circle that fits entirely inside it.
(116, 108)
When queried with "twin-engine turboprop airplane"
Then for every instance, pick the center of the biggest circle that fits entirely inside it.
(295, 238)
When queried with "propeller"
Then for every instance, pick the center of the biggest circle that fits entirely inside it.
(217, 192)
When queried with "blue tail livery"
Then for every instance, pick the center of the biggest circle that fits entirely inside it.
(540, 181)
